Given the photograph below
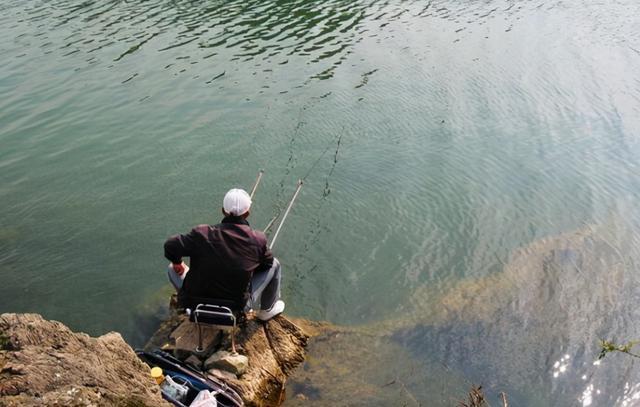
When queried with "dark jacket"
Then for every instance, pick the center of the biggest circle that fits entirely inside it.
(223, 259)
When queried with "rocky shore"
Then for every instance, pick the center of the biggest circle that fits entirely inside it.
(268, 352)
(45, 363)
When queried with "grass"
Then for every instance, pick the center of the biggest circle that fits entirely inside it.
(4, 341)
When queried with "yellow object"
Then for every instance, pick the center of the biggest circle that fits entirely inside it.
(156, 373)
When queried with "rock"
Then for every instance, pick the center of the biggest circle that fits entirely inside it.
(275, 349)
(162, 339)
(221, 374)
(230, 362)
(45, 363)
(194, 361)
(185, 337)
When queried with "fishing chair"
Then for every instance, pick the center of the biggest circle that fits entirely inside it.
(221, 314)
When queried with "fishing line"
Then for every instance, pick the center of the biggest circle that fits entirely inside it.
(339, 137)
(324, 152)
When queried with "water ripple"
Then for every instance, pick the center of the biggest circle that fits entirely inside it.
(324, 33)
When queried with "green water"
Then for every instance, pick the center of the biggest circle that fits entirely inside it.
(436, 139)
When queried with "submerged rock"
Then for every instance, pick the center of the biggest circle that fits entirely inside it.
(45, 363)
(531, 328)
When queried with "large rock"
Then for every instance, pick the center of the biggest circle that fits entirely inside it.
(227, 361)
(274, 349)
(45, 363)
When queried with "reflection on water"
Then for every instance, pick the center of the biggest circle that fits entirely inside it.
(556, 298)
(262, 33)
(455, 152)
(560, 366)
(630, 396)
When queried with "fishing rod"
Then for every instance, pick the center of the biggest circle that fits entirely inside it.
(255, 185)
(253, 192)
(271, 222)
(286, 213)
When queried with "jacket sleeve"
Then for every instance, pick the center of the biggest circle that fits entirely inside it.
(179, 246)
(266, 258)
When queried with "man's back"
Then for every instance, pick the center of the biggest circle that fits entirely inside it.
(223, 259)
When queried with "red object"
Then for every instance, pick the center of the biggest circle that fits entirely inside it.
(178, 268)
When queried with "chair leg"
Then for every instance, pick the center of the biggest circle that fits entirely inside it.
(233, 340)
(199, 348)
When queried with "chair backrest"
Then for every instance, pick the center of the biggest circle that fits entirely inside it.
(190, 302)
(213, 314)
(220, 313)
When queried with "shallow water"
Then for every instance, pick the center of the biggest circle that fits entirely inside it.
(529, 328)
(437, 139)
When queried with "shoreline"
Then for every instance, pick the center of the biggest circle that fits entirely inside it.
(43, 362)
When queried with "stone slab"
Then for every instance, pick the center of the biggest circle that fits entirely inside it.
(186, 337)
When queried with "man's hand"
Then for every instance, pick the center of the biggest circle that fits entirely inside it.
(178, 268)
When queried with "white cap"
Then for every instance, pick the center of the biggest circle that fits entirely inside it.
(236, 202)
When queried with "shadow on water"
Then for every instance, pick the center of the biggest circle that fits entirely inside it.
(147, 317)
(531, 330)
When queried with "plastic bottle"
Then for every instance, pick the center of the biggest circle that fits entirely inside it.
(205, 399)
(173, 389)
(157, 375)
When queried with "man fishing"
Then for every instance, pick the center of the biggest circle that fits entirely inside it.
(229, 261)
